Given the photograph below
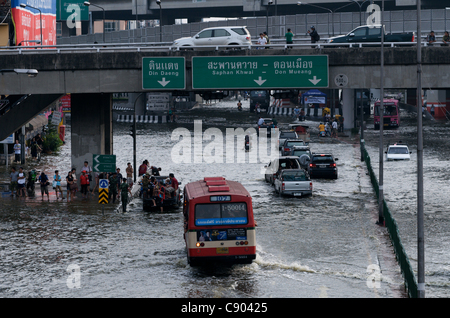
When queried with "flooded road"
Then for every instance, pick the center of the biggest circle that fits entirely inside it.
(400, 190)
(322, 246)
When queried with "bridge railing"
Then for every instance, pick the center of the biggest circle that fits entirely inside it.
(157, 47)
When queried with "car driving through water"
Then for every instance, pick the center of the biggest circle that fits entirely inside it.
(398, 152)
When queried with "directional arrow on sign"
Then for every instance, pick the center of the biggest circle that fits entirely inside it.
(315, 80)
(260, 81)
(163, 82)
(103, 196)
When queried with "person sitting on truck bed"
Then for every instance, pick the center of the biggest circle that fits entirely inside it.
(173, 181)
(169, 189)
(145, 186)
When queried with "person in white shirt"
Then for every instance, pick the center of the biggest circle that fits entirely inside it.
(334, 127)
(17, 148)
(260, 121)
(21, 179)
(262, 40)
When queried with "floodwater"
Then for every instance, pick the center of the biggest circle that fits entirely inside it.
(400, 191)
(326, 245)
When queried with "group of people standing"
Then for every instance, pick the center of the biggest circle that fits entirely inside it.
(22, 186)
(289, 36)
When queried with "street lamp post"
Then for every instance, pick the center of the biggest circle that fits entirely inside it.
(267, 16)
(420, 225)
(380, 150)
(29, 72)
(158, 2)
(360, 8)
(329, 10)
(87, 4)
(29, 41)
(134, 137)
(24, 5)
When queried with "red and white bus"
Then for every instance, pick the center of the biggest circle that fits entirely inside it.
(391, 116)
(218, 222)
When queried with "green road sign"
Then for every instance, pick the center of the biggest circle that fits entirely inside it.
(104, 163)
(256, 72)
(160, 73)
(72, 10)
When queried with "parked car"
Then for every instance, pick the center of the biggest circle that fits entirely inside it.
(286, 134)
(372, 33)
(304, 155)
(289, 145)
(295, 182)
(269, 123)
(398, 152)
(323, 165)
(281, 163)
(233, 35)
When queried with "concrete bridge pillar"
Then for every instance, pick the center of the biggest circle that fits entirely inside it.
(348, 104)
(91, 128)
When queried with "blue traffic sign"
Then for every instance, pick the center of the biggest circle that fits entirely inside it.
(103, 184)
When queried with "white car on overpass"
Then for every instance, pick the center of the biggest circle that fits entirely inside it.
(233, 35)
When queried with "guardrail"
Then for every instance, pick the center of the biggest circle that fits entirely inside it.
(156, 46)
(391, 225)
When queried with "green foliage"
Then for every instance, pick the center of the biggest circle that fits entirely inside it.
(51, 141)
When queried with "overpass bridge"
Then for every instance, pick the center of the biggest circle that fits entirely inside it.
(195, 10)
(93, 74)
(298, 19)
(113, 69)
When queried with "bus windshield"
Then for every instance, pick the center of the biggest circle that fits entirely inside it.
(389, 110)
(221, 214)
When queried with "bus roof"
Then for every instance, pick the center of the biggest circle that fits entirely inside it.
(214, 186)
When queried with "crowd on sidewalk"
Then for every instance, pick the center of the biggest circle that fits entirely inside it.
(22, 184)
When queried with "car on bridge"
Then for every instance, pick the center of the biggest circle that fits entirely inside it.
(233, 35)
(371, 33)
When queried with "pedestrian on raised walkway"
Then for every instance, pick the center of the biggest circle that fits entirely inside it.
(43, 181)
(57, 184)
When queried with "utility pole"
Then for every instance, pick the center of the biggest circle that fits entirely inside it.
(420, 227)
(381, 157)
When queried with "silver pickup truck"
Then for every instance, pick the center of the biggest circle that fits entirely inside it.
(295, 182)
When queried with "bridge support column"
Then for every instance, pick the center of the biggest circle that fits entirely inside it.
(91, 128)
(348, 104)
